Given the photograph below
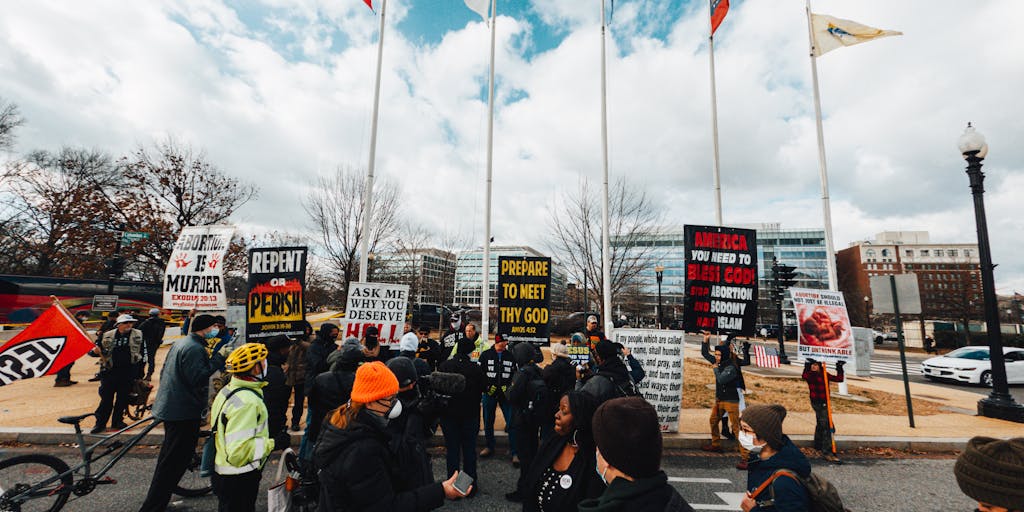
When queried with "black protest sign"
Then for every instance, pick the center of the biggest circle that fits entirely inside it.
(275, 303)
(721, 280)
(524, 299)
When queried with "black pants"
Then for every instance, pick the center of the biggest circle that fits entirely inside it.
(151, 348)
(299, 389)
(460, 444)
(114, 389)
(180, 438)
(527, 437)
(64, 374)
(237, 493)
(822, 432)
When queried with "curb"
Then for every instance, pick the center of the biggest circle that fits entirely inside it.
(686, 441)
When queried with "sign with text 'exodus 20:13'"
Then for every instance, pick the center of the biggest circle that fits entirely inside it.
(721, 280)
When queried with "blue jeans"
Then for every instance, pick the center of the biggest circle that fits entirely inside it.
(460, 439)
(490, 406)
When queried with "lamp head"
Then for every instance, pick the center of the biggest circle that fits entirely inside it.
(972, 142)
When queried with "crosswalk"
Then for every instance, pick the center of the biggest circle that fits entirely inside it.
(894, 368)
(725, 500)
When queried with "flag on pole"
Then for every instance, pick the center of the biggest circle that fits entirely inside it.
(51, 342)
(766, 357)
(830, 33)
(369, 3)
(719, 8)
(481, 7)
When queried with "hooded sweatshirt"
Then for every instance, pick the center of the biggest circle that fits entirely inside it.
(790, 495)
(652, 494)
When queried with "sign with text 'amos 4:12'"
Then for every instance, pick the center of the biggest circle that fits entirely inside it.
(721, 280)
(524, 299)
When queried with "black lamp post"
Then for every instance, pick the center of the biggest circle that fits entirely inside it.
(659, 272)
(999, 403)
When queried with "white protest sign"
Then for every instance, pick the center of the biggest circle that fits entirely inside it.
(379, 304)
(194, 277)
(823, 324)
(660, 353)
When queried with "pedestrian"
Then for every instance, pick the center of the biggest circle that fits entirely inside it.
(153, 329)
(929, 346)
(592, 332)
(456, 331)
(770, 452)
(63, 378)
(460, 422)
(727, 400)
(356, 468)
(122, 360)
(330, 390)
(295, 374)
(636, 371)
(473, 334)
(528, 398)
(560, 378)
(409, 432)
(499, 367)
(180, 404)
(372, 350)
(610, 377)
(820, 395)
(186, 322)
(991, 472)
(728, 341)
(628, 437)
(316, 356)
(107, 325)
(276, 393)
(563, 472)
(242, 435)
(408, 344)
(429, 349)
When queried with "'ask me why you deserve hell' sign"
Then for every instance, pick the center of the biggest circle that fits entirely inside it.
(378, 304)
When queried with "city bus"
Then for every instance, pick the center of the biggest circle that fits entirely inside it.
(23, 298)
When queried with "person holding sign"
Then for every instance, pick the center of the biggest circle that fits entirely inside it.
(727, 400)
(817, 378)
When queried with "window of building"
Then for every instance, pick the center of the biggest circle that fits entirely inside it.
(885, 252)
(967, 253)
(924, 252)
(952, 253)
(938, 253)
(908, 253)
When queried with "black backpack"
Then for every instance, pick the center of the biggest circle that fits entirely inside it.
(820, 492)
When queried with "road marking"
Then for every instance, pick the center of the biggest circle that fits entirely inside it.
(894, 368)
(695, 480)
(732, 502)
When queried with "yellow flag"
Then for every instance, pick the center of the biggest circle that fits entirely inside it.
(830, 33)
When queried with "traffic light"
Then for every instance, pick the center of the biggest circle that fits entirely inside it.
(115, 266)
(783, 277)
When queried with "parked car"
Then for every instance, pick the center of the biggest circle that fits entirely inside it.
(428, 314)
(878, 336)
(476, 316)
(773, 331)
(972, 365)
(892, 336)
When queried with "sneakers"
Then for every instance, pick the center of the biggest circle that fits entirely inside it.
(829, 457)
(64, 383)
(741, 465)
(728, 435)
(95, 378)
(515, 461)
(486, 452)
(116, 427)
(711, 448)
(98, 429)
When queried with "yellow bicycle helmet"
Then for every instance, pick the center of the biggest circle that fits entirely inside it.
(244, 358)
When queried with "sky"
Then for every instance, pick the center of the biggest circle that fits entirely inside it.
(278, 92)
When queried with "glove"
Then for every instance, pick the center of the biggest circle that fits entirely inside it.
(808, 363)
(839, 365)
(492, 390)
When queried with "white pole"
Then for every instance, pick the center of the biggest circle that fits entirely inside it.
(830, 253)
(606, 266)
(714, 130)
(364, 232)
(485, 300)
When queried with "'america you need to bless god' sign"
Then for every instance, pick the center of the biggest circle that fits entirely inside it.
(721, 280)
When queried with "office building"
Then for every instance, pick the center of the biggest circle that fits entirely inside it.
(469, 276)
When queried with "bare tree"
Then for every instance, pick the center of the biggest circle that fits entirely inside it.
(10, 119)
(575, 234)
(335, 207)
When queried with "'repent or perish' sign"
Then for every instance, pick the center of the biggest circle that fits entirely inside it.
(721, 280)
(275, 303)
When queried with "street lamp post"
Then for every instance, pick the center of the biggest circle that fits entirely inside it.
(999, 403)
(659, 272)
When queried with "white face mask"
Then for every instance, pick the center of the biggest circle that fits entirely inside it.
(263, 372)
(747, 441)
(396, 410)
(597, 465)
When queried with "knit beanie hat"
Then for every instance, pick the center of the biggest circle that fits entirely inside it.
(404, 370)
(628, 436)
(766, 420)
(201, 322)
(374, 381)
(606, 350)
(992, 471)
(559, 350)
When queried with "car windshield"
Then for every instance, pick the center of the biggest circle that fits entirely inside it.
(969, 353)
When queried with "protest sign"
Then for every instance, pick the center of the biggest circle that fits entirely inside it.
(579, 349)
(524, 299)
(721, 280)
(194, 277)
(277, 280)
(660, 353)
(379, 304)
(823, 325)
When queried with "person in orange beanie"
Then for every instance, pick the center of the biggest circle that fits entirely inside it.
(355, 467)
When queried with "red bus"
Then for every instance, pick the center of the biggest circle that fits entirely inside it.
(23, 298)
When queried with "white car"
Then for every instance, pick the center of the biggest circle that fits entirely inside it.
(971, 365)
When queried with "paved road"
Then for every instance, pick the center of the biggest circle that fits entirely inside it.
(708, 483)
(886, 364)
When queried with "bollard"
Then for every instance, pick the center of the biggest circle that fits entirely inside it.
(844, 390)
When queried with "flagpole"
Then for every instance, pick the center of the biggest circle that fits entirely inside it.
(485, 300)
(606, 267)
(714, 122)
(830, 255)
(364, 235)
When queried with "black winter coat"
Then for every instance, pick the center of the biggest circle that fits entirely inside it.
(653, 494)
(610, 380)
(585, 481)
(330, 390)
(560, 377)
(465, 405)
(409, 435)
(357, 472)
(316, 355)
(275, 395)
(153, 329)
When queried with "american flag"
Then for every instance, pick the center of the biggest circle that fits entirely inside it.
(766, 357)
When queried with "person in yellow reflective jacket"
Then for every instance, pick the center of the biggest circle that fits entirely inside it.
(242, 435)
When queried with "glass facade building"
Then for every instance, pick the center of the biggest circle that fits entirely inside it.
(469, 276)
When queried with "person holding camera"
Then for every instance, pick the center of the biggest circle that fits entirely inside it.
(815, 374)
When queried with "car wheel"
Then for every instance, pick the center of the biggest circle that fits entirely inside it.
(879, 340)
(931, 378)
(986, 379)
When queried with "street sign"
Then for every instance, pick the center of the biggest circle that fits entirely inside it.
(906, 288)
(104, 302)
(127, 237)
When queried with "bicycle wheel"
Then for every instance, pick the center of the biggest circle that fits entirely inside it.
(19, 474)
(192, 484)
(136, 412)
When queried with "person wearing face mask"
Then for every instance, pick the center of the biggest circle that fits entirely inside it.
(242, 434)
(771, 451)
(628, 437)
(180, 404)
(357, 470)
(991, 472)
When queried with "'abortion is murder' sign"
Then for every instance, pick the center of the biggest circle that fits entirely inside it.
(721, 280)
(194, 278)
(277, 280)
(524, 299)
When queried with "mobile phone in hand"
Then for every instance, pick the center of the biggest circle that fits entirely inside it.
(462, 483)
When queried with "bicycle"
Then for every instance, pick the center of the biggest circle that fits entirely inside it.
(46, 482)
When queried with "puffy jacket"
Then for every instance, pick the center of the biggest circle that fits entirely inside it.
(409, 436)
(789, 495)
(275, 396)
(705, 350)
(357, 471)
(498, 372)
(465, 405)
(610, 380)
(316, 355)
(295, 374)
(185, 380)
(331, 389)
(153, 328)
(243, 434)
(135, 346)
